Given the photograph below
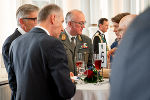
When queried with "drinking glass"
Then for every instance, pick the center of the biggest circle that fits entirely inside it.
(97, 63)
(80, 64)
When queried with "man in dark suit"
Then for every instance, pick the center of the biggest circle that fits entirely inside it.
(130, 68)
(26, 19)
(75, 21)
(39, 62)
(99, 36)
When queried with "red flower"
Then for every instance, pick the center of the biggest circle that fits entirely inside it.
(89, 73)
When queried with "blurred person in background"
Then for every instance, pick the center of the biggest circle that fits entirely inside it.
(123, 25)
(115, 20)
(130, 68)
(99, 36)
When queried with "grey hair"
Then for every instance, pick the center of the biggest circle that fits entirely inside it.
(24, 11)
(47, 10)
(70, 14)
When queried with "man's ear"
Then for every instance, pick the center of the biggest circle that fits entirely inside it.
(21, 21)
(52, 18)
(69, 24)
(100, 25)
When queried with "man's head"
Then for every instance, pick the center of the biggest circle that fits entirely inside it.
(116, 21)
(51, 18)
(75, 21)
(26, 16)
(103, 24)
(124, 23)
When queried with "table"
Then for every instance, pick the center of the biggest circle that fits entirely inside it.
(5, 92)
(91, 91)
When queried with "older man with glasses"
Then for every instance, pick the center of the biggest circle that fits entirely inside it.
(26, 16)
(73, 40)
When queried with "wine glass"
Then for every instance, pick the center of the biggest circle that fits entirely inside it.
(79, 63)
(97, 63)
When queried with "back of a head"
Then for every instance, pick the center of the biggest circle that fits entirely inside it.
(127, 20)
(124, 23)
(47, 10)
(118, 17)
(24, 10)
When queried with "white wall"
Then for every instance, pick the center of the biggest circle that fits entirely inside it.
(7, 19)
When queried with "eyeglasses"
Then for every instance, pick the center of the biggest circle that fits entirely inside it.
(81, 23)
(34, 19)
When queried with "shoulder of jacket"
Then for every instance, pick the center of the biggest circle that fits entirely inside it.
(97, 33)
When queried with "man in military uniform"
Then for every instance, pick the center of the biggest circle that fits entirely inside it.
(99, 36)
(73, 40)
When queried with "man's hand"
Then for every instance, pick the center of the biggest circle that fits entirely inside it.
(71, 75)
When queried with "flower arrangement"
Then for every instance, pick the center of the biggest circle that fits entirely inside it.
(91, 74)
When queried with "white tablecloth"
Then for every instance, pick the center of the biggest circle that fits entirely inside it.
(92, 91)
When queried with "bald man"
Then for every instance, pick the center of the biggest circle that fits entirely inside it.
(131, 65)
(124, 23)
(74, 41)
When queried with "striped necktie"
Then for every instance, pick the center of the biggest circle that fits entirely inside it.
(73, 42)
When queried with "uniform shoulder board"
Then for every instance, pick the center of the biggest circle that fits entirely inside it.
(63, 37)
(79, 37)
(97, 34)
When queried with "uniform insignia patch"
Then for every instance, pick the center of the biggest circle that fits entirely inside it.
(63, 37)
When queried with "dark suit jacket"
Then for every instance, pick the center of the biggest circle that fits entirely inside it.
(40, 65)
(78, 49)
(97, 38)
(5, 53)
(130, 76)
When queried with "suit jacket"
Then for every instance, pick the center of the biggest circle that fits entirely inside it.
(131, 65)
(98, 38)
(5, 53)
(39, 63)
(83, 45)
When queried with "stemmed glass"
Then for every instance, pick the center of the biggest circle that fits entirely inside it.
(79, 64)
(97, 63)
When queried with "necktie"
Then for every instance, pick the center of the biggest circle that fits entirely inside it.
(73, 42)
(104, 39)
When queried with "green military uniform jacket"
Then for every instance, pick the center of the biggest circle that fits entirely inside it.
(83, 45)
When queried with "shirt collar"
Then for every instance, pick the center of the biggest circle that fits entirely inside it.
(101, 32)
(69, 36)
(43, 29)
(21, 30)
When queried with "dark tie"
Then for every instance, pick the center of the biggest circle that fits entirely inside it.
(73, 42)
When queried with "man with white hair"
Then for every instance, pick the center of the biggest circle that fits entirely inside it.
(74, 41)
